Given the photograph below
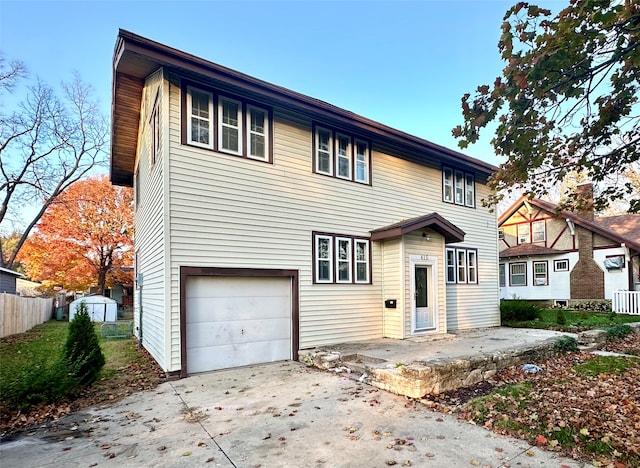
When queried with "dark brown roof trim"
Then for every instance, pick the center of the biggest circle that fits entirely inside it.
(138, 56)
(434, 221)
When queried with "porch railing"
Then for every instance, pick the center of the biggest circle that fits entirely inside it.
(626, 302)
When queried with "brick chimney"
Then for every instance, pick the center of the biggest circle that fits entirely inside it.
(585, 201)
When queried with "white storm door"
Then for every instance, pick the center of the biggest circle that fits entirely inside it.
(424, 312)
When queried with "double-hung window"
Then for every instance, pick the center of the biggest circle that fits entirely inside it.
(199, 118)
(458, 187)
(324, 153)
(518, 274)
(538, 231)
(362, 261)
(362, 162)
(461, 265)
(343, 156)
(540, 275)
(230, 133)
(227, 125)
(502, 275)
(324, 259)
(258, 133)
(341, 259)
(524, 233)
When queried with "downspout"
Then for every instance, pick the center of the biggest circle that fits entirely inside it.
(139, 282)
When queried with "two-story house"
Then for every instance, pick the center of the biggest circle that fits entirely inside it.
(556, 256)
(267, 221)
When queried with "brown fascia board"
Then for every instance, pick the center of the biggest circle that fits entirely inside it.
(434, 221)
(164, 55)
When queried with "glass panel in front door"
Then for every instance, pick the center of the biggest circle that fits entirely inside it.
(423, 313)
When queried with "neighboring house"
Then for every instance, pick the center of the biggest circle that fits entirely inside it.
(28, 288)
(8, 280)
(557, 256)
(267, 221)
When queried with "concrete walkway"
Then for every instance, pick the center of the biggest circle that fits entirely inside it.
(276, 415)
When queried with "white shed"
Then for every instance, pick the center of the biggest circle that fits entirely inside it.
(100, 308)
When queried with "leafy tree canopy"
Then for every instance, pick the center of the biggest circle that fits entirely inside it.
(567, 101)
(84, 238)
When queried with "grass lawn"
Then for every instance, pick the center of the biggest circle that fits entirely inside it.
(574, 320)
(26, 356)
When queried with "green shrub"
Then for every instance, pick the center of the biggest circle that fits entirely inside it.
(561, 319)
(517, 310)
(566, 344)
(616, 332)
(82, 352)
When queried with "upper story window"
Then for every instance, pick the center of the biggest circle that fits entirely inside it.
(462, 265)
(341, 259)
(531, 232)
(458, 187)
(340, 155)
(524, 233)
(538, 233)
(200, 117)
(237, 127)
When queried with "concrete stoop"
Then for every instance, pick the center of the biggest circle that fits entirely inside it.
(429, 377)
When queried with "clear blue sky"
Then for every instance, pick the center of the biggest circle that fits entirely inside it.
(403, 63)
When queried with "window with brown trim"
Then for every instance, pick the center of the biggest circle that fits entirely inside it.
(338, 154)
(561, 265)
(237, 127)
(517, 274)
(458, 187)
(461, 265)
(541, 273)
(340, 258)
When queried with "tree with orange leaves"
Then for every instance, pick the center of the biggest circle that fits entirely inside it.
(84, 238)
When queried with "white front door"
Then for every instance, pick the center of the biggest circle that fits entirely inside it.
(424, 312)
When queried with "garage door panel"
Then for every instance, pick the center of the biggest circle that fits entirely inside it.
(226, 356)
(244, 308)
(233, 332)
(237, 321)
(200, 286)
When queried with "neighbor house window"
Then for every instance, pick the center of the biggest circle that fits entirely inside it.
(241, 128)
(502, 275)
(461, 265)
(458, 187)
(200, 118)
(258, 132)
(538, 231)
(341, 259)
(540, 275)
(561, 265)
(524, 233)
(518, 274)
(341, 155)
(500, 234)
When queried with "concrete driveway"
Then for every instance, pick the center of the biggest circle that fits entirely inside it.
(274, 415)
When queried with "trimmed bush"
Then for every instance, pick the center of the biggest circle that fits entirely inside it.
(517, 310)
(82, 352)
(566, 344)
(619, 331)
(561, 319)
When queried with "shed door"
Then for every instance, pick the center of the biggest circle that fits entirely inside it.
(237, 321)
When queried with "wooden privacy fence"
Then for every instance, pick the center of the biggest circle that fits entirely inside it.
(19, 314)
(626, 302)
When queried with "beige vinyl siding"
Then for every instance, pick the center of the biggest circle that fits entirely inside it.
(415, 244)
(149, 238)
(476, 305)
(226, 211)
(392, 283)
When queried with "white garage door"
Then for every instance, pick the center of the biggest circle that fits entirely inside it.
(237, 321)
